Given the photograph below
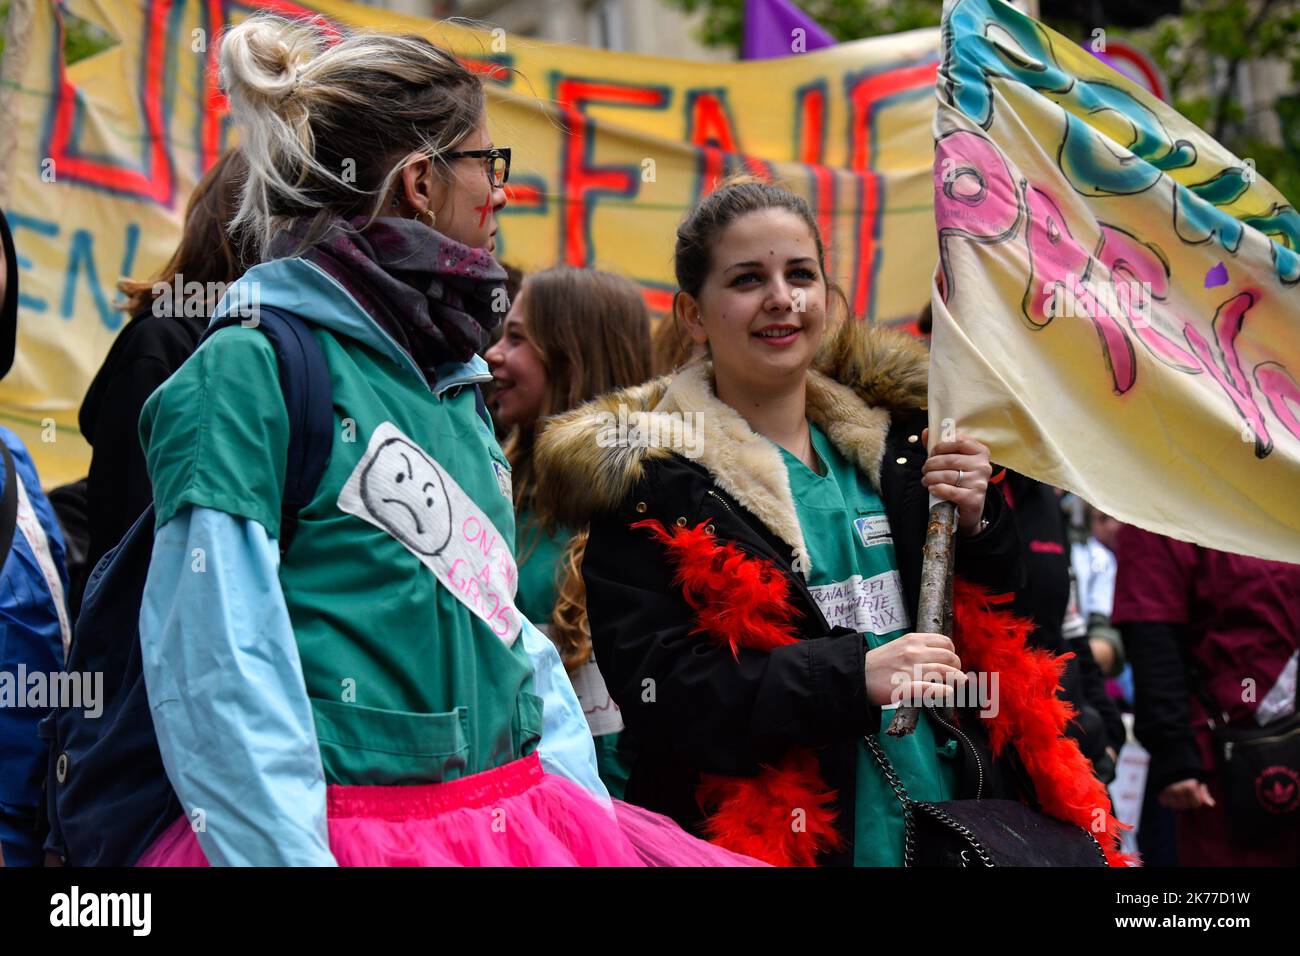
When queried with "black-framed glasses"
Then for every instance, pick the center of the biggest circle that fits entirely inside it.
(496, 161)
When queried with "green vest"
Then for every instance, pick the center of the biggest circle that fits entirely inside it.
(539, 572)
(854, 580)
(539, 567)
(400, 580)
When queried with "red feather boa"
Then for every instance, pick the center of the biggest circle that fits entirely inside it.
(738, 599)
(785, 815)
(1029, 712)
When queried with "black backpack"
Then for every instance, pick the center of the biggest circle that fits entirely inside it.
(108, 795)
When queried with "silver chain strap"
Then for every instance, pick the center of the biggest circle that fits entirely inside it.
(909, 820)
(965, 832)
(891, 775)
(909, 810)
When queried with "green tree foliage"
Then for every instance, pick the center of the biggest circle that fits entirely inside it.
(724, 20)
(80, 37)
(1199, 52)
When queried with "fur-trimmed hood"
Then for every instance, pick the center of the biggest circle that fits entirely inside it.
(589, 459)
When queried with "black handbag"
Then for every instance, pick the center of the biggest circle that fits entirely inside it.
(984, 832)
(1259, 768)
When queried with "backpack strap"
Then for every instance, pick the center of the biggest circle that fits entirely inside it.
(308, 398)
(9, 505)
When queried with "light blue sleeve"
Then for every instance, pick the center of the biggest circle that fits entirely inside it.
(566, 748)
(227, 693)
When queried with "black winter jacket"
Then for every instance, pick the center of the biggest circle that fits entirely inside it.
(143, 356)
(690, 704)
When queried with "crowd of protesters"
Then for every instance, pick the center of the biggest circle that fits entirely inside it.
(688, 603)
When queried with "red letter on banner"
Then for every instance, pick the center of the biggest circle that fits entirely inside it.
(866, 95)
(580, 179)
(709, 128)
(810, 146)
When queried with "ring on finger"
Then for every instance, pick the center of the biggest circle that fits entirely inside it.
(960, 475)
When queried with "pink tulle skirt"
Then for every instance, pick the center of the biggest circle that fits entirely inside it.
(515, 815)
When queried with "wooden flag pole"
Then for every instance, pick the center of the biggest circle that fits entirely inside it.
(934, 609)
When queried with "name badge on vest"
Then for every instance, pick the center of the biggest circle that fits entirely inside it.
(873, 530)
(504, 483)
(398, 488)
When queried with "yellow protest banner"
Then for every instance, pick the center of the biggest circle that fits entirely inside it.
(1117, 311)
(609, 151)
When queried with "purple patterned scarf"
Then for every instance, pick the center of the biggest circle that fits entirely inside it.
(433, 295)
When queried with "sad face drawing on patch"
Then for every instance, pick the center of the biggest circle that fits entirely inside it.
(406, 496)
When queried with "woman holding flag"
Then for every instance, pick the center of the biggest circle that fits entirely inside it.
(750, 580)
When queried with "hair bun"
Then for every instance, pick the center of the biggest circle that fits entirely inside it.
(326, 127)
(262, 59)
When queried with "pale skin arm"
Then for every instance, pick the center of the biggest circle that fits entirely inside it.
(893, 667)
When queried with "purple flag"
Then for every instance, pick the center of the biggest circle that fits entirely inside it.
(770, 26)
